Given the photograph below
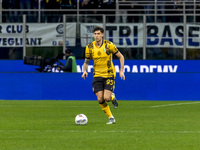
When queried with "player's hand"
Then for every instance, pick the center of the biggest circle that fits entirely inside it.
(121, 74)
(85, 74)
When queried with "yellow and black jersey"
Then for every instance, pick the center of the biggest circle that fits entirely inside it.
(102, 57)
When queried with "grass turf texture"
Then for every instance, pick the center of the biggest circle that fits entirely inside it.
(141, 125)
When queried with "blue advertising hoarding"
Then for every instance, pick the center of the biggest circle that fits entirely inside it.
(145, 80)
(132, 66)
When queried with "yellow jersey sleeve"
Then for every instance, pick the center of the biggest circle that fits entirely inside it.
(110, 47)
(113, 48)
(87, 53)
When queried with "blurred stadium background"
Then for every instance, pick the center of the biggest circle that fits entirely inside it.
(159, 39)
(158, 101)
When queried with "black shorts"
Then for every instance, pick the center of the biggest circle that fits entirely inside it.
(101, 84)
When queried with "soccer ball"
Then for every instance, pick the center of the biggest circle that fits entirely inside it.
(81, 119)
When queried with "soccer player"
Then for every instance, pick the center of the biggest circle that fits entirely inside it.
(101, 52)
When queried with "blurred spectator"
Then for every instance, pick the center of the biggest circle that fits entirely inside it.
(109, 5)
(69, 5)
(42, 7)
(198, 12)
(25, 4)
(123, 10)
(76, 2)
(34, 5)
(52, 16)
(179, 7)
(189, 6)
(4, 13)
(174, 7)
(85, 5)
(136, 8)
(149, 10)
(171, 10)
(11, 15)
(161, 10)
(129, 7)
(91, 4)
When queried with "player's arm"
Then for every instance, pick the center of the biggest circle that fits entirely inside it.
(86, 63)
(85, 67)
(121, 59)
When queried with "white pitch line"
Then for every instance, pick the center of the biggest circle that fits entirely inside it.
(35, 106)
(98, 131)
(177, 104)
(69, 131)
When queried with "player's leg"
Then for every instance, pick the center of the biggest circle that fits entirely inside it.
(114, 100)
(109, 85)
(104, 106)
(98, 90)
(107, 97)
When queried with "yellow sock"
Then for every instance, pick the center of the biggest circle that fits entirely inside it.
(106, 109)
(112, 97)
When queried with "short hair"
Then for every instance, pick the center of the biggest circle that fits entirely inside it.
(68, 50)
(98, 28)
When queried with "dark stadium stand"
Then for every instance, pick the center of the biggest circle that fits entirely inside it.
(135, 13)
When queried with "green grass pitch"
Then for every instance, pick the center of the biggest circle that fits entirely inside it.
(140, 125)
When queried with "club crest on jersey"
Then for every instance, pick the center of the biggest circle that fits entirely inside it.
(99, 53)
(105, 50)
